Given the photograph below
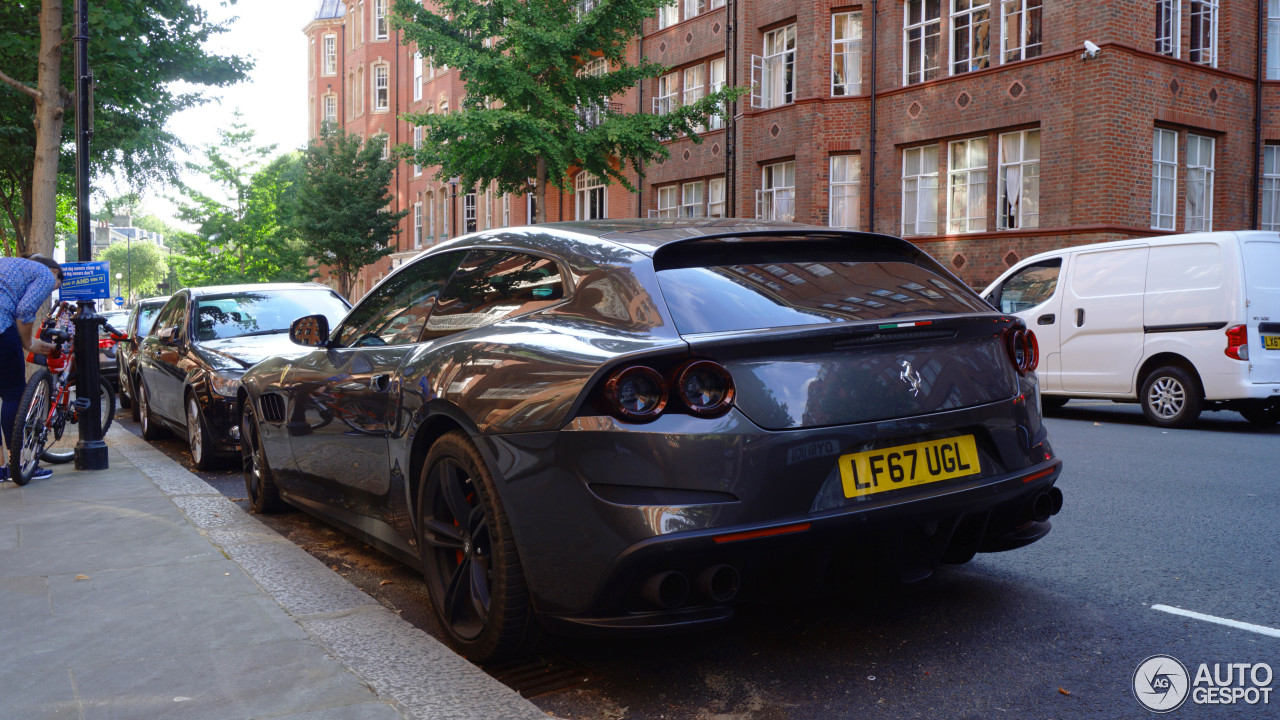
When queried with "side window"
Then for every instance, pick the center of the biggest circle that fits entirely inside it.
(173, 314)
(492, 285)
(1030, 286)
(395, 312)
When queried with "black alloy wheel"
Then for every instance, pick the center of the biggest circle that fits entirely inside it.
(259, 483)
(150, 431)
(1171, 397)
(199, 438)
(470, 562)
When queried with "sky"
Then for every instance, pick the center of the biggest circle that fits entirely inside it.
(273, 99)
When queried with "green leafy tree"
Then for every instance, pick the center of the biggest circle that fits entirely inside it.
(240, 236)
(149, 61)
(531, 110)
(143, 265)
(341, 211)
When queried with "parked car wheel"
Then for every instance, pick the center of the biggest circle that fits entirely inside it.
(1262, 414)
(202, 452)
(150, 431)
(1171, 397)
(469, 557)
(259, 483)
(1053, 402)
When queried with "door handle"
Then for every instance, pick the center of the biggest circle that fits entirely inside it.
(380, 383)
(1045, 319)
(1079, 317)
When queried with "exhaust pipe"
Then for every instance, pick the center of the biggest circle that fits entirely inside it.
(1055, 495)
(1041, 507)
(668, 590)
(719, 583)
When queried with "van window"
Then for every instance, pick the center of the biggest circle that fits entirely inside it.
(1110, 272)
(1030, 286)
(1261, 260)
(1180, 268)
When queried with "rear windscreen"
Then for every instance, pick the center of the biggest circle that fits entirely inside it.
(721, 298)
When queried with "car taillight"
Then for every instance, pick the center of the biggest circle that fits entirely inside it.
(106, 343)
(1024, 349)
(1238, 342)
(636, 393)
(705, 387)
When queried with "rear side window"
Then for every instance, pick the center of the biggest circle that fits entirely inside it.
(491, 285)
(720, 298)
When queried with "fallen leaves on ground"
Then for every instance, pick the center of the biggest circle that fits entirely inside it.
(83, 577)
(1064, 692)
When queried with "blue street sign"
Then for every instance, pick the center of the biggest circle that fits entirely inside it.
(119, 300)
(85, 281)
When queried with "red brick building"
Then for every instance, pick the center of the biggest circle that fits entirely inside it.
(982, 130)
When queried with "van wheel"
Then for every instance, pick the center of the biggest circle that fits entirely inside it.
(1171, 397)
(1052, 402)
(1262, 414)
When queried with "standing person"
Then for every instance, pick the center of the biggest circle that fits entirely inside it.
(25, 285)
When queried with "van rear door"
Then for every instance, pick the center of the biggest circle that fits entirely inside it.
(1101, 326)
(1262, 291)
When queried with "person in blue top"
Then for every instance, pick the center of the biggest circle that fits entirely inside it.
(25, 285)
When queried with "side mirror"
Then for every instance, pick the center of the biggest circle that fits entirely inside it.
(310, 331)
(168, 335)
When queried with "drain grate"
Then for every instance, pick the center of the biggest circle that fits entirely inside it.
(541, 675)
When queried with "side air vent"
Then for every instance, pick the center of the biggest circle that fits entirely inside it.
(272, 407)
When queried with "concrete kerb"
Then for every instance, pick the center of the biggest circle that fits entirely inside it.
(420, 676)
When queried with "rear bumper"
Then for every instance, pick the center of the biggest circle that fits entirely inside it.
(1236, 386)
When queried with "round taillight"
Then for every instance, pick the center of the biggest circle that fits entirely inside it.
(1032, 351)
(1024, 349)
(705, 387)
(636, 393)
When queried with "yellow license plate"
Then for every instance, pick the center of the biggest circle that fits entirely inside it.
(874, 471)
(1271, 342)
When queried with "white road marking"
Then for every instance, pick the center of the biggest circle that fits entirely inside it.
(1260, 629)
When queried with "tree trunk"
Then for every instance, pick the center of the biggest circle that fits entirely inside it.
(541, 190)
(49, 118)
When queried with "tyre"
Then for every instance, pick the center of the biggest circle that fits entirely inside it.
(1049, 403)
(1171, 397)
(126, 402)
(198, 437)
(1262, 414)
(470, 563)
(150, 430)
(29, 431)
(259, 483)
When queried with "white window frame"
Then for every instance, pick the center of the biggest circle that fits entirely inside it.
(380, 19)
(381, 87)
(1273, 39)
(1164, 179)
(1200, 182)
(1015, 25)
(967, 185)
(1206, 11)
(715, 198)
(330, 50)
(691, 199)
(506, 210)
(695, 87)
(669, 201)
(1023, 172)
(417, 225)
(1169, 28)
(429, 216)
(469, 224)
(917, 32)
(668, 14)
(329, 108)
(715, 4)
(920, 190)
(1270, 219)
(970, 25)
(587, 187)
(417, 145)
(776, 198)
(694, 8)
(446, 213)
(845, 191)
(385, 139)
(846, 47)
(716, 75)
(668, 95)
(417, 76)
(773, 73)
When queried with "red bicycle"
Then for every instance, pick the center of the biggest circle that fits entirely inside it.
(50, 400)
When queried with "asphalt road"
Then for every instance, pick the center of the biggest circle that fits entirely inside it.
(1185, 519)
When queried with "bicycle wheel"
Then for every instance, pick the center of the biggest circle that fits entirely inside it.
(108, 400)
(29, 429)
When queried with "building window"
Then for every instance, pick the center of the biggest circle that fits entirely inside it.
(920, 190)
(1020, 38)
(353, 92)
(668, 201)
(417, 76)
(589, 197)
(429, 208)
(330, 55)
(970, 35)
(417, 224)
(1019, 180)
(694, 87)
(311, 60)
(385, 139)
(920, 40)
(773, 74)
(1169, 27)
(716, 122)
(1204, 32)
(691, 200)
(716, 4)
(668, 15)
(1199, 183)
(776, 199)
(380, 19)
(846, 175)
(967, 185)
(694, 8)
(359, 26)
(1164, 178)
(381, 87)
(358, 91)
(1273, 39)
(506, 210)
(668, 88)
(715, 198)
(846, 54)
(531, 208)
(417, 145)
(1270, 188)
(331, 108)
(469, 213)
(446, 214)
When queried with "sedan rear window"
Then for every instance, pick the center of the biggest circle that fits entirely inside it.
(772, 294)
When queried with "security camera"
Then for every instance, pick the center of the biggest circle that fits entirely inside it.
(1090, 50)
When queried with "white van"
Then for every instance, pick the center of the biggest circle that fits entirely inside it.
(1180, 323)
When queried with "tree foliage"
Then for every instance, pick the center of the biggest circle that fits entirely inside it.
(149, 61)
(241, 236)
(142, 263)
(530, 109)
(341, 211)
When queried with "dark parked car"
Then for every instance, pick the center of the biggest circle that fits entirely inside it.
(136, 326)
(203, 339)
(108, 349)
(627, 426)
